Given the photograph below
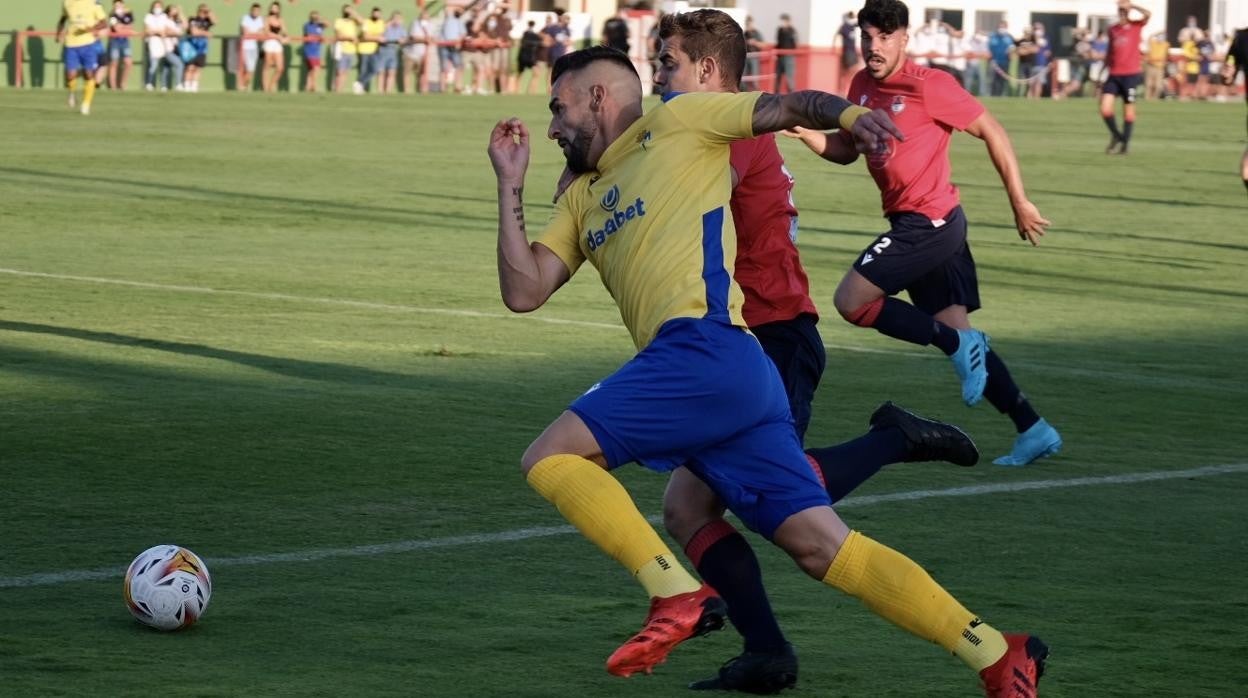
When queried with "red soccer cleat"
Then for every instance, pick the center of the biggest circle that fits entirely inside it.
(672, 620)
(1016, 674)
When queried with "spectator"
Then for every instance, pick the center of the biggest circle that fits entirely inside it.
(346, 37)
(1080, 55)
(274, 48)
(172, 64)
(498, 52)
(121, 60)
(476, 55)
(1155, 66)
(200, 34)
(615, 32)
(1001, 45)
(1041, 61)
(847, 39)
(527, 59)
(975, 49)
(394, 36)
(1205, 48)
(1026, 50)
(313, 49)
(372, 33)
(415, 54)
(1190, 31)
(1191, 63)
(786, 40)
(753, 44)
(251, 25)
(1096, 62)
(154, 35)
(450, 57)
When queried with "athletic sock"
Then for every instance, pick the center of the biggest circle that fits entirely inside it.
(1113, 126)
(847, 465)
(898, 590)
(600, 508)
(1003, 394)
(900, 320)
(726, 561)
(946, 339)
(88, 92)
(1127, 128)
(73, 85)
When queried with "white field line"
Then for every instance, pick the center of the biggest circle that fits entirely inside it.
(519, 534)
(1164, 381)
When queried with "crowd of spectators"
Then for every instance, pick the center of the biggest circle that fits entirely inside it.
(477, 54)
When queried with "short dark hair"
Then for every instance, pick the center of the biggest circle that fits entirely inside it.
(886, 15)
(709, 33)
(576, 60)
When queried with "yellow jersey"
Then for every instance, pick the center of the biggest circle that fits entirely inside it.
(654, 218)
(371, 27)
(81, 16)
(346, 31)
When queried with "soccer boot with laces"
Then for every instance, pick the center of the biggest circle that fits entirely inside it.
(928, 439)
(1017, 673)
(672, 620)
(763, 673)
(1037, 442)
(970, 361)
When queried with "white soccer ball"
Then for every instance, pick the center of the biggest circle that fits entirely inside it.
(167, 587)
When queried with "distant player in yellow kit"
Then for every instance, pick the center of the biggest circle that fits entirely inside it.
(80, 20)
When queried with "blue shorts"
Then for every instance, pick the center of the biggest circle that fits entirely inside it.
(928, 259)
(388, 58)
(704, 395)
(82, 58)
(448, 56)
(344, 62)
(119, 48)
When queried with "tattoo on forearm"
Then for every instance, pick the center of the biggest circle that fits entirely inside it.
(518, 209)
(808, 108)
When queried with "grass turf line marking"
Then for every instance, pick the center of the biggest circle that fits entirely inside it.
(407, 546)
(1125, 376)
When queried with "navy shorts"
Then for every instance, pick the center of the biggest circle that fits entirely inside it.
(1124, 86)
(704, 395)
(930, 260)
(796, 348)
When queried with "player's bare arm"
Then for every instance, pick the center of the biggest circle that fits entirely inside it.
(1027, 217)
(528, 273)
(830, 147)
(1127, 5)
(872, 129)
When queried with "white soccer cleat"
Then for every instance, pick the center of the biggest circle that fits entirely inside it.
(86, 109)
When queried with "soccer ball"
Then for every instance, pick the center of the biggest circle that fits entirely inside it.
(167, 587)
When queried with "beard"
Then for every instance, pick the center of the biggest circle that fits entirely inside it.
(577, 152)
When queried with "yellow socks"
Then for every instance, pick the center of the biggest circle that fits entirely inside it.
(88, 92)
(73, 85)
(898, 590)
(600, 508)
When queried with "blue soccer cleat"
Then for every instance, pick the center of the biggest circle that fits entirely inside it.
(1037, 442)
(970, 361)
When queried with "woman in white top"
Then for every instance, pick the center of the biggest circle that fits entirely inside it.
(415, 53)
(175, 27)
(273, 48)
(154, 36)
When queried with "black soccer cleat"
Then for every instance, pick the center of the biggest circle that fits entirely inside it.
(1114, 141)
(762, 673)
(929, 439)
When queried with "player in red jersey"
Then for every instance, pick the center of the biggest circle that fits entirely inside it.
(704, 51)
(925, 252)
(1125, 74)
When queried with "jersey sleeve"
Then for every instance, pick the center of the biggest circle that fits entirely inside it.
(718, 117)
(562, 234)
(948, 103)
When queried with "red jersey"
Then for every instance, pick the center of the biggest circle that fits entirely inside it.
(1124, 48)
(768, 269)
(927, 105)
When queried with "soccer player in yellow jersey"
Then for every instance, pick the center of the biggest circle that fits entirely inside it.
(80, 20)
(650, 212)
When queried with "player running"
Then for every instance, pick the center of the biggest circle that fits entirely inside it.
(704, 51)
(1236, 61)
(925, 252)
(77, 27)
(649, 211)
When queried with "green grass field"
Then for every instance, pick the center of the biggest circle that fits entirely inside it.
(264, 326)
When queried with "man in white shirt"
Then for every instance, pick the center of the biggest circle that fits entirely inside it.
(251, 24)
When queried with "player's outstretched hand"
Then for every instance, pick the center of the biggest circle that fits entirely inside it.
(873, 130)
(509, 149)
(1030, 223)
